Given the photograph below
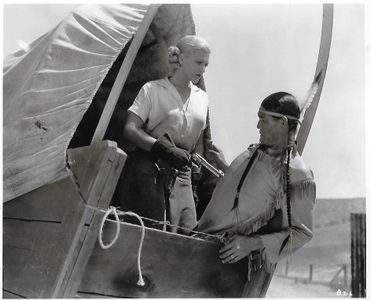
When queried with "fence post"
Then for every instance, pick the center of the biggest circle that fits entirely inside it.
(310, 272)
(358, 254)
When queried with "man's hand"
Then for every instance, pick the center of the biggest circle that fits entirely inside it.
(239, 246)
(218, 156)
(165, 148)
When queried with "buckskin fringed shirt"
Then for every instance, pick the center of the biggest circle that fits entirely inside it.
(262, 194)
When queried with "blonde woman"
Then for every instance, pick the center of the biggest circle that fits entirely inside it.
(165, 123)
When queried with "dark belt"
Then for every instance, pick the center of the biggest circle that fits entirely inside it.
(167, 173)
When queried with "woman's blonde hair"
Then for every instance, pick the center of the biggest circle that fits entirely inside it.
(186, 45)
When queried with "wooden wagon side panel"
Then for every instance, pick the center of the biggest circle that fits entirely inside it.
(172, 266)
(44, 230)
(35, 245)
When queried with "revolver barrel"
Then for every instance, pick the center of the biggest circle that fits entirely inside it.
(200, 161)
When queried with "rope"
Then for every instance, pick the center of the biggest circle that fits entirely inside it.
(108, 212)
(103, 246)
(140, 279)
(116, 213)
(198, 234)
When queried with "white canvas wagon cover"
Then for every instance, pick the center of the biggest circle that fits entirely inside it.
(48, 89)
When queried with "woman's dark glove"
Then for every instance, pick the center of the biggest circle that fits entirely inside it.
(165, 148)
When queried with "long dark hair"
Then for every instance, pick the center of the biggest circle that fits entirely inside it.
(287, 105)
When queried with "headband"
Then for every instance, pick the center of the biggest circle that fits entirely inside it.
(279, 115)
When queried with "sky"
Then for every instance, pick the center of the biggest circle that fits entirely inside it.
(257, 49)
(246, 66)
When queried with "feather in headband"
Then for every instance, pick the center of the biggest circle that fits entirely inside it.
(309, 99)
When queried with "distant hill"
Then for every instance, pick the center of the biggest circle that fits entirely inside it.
(328, 212)
(330, 246)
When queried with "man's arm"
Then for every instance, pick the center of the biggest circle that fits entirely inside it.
(219, 158)
(302, 203)
(240, 246)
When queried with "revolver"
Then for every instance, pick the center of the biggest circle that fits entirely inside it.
(200, 161)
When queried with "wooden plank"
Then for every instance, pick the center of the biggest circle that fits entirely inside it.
(92, 180)
(40, 255)
(123, 73)
(91, 166)
(34, 250)
(49, 253)
(72, 282)
(8, 295)
(112, 178)
(46, 203)
(32, 261)
(358, 255)
(70, 264)
(172, 265)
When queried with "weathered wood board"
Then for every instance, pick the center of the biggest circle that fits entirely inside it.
(45, 204)
(35, 249)
(45, 230)
(172, 266)
(7, 295)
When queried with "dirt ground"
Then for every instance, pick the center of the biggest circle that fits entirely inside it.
(287, 288)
